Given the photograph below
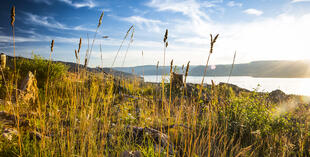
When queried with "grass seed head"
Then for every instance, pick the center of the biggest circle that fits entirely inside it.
(171, 66)
(76, 55)
(100, 19)
(12, 16)
(157, 64)
(80, 45)
(85, 63)
(187, 68)
(212, 41)
(166, 36)
(52, 46)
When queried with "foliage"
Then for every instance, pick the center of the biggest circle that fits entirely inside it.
(39, 66)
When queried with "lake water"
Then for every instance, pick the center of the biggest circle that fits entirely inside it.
(299, 86)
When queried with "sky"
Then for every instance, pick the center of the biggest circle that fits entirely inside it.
(255, 29)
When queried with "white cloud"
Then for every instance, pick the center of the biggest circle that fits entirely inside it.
(297, 1)
(234, 4)
(189, 8)
(79, 4)
(18, 39)
(274, 38)
(253, 12)
(50, 22)
(150, 24)
(48, 2)
(85, 3)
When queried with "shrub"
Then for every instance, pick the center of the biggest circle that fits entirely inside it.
(39, 66)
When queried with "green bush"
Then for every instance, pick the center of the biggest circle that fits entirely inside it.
(39, 67)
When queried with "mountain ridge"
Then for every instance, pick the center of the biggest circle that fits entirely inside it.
(272, 69)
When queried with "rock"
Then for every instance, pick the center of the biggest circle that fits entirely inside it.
(177, 80)
(9, 124)
(131, 154)
(28, 89)
(159, 138)
(11, 120)
(235, 88)
(8, 133)
(277, 96)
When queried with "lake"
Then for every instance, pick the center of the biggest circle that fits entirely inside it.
(299, 86)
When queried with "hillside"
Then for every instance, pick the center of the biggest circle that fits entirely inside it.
(72, 66)
(280, 69)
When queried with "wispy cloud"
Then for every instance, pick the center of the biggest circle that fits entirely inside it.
(50, 22)
(18, 39)
(234, 4)
(297, 1)
(190, 8)
(85, 3)
(43, 1)
(150, 24)
(76, 4)
(253, 12)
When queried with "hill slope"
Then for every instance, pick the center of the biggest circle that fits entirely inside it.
(282, 69)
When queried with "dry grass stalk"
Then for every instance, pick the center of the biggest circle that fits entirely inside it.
(12, 24)
(101, 56)
(80, 45)
(212, 42)
(186, 73)
(171, 66)
(142, 64)
(157, 70)
(15, 77)
(232, 67)
(92, 45)
(121, 45)
(129, 44)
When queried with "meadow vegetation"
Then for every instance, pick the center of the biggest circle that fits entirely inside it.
(85, 113)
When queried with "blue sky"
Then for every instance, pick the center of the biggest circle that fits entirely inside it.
(256, 29)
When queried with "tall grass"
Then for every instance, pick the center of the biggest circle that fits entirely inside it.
(232, 67)
(212, 42)
(125, 37)
(100, 115)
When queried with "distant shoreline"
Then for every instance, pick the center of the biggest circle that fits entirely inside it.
(258, 69)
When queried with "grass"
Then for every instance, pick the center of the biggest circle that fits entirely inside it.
(98, 114)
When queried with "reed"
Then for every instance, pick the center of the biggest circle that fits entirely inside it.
(87, 53)
(232, 67)
(15, 78)
(186, 73)
(92, 45)
(101, 56)
(129, 44)
(212, 42)
(142, 63)
(157, 71)
(165, 44)
(127, 33)
(95, 116)
(12, 25)
(170, 97)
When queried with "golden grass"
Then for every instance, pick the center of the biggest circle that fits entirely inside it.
(90, 116)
